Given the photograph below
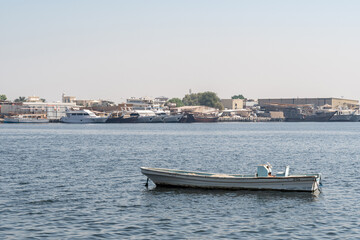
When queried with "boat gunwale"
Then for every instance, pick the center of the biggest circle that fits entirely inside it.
(185, 173)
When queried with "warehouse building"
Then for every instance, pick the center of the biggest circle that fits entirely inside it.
(334, 103)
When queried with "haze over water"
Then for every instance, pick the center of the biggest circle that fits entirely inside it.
(61, 181)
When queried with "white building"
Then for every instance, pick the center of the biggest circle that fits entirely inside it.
(54, 111)
(143, 103)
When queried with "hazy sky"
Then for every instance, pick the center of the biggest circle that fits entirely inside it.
(118, 49)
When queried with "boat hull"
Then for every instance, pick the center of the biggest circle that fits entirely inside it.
(21, 120)
(121, 120)
(173, 118)
(84, 120)
(163, 177)
(144, 119)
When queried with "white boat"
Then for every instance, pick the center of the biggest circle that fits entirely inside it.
(145, 116)
(27, 118)
(173, 118)
(160, 116)
(82, 116)
(344, 116)
(262, 180)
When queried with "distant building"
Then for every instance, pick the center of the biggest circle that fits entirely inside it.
(233, 103)
(54, 111)
(335, 103)
(250, 103)
(68, 99)
(87, 103)
(160, 101)
(142, 103)
(33, 99)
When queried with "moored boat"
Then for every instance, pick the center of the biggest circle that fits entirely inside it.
(173, 118)
(205, 117)
(262, 180)
(27, 118)
(82, 116)
(122, 118)
(145, 116)
(344, 116)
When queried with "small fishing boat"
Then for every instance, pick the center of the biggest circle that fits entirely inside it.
(261, 180)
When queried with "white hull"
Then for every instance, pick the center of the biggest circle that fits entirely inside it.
(344, 118)
(84, 120)
(173, 118)
(24, 120)
(145, 119)
(307, 183)
(158, 119)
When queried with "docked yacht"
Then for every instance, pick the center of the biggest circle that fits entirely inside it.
(160, 116)
(122, 117)
(145, 116)
(345, 116)
(82, 116)
(173, 118)
(27, 118)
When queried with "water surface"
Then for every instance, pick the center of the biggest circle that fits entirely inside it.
(64, 181)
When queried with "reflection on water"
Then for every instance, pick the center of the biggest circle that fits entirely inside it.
(259, 194)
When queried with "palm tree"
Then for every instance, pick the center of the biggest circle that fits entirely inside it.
(20, 99)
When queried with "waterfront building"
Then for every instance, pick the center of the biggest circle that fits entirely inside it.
(68, 99)
(54, 111)
(33, 99)
(160, 101)
(142, 103)
(86, 103)
(334, 103)
(233, 103)
(250, 103)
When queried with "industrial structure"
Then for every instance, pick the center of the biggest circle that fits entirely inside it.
(233, 103)
(334, 103)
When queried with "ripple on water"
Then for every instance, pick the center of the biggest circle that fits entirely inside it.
(74, 181)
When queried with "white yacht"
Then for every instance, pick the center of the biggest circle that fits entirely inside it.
(173, 118)
(145, 116)
(82, 116)
(346, 115)
(160, 116)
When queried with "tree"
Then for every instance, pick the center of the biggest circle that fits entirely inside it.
(3, 97)
(240, 96)
(191, 99)
(43, 99)
(178, 102)
(210, 99)
(20, 99)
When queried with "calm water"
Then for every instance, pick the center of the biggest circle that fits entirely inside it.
(83, 181)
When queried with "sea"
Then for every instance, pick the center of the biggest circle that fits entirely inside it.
(73, 181)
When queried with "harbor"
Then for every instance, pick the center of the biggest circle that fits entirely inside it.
(162, 120)
(163, 110)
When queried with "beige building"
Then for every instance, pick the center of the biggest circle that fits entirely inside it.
(33, 99)
(68, 99)
(335, 103)
(233, 103)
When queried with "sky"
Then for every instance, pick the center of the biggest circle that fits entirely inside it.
(118, 49)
